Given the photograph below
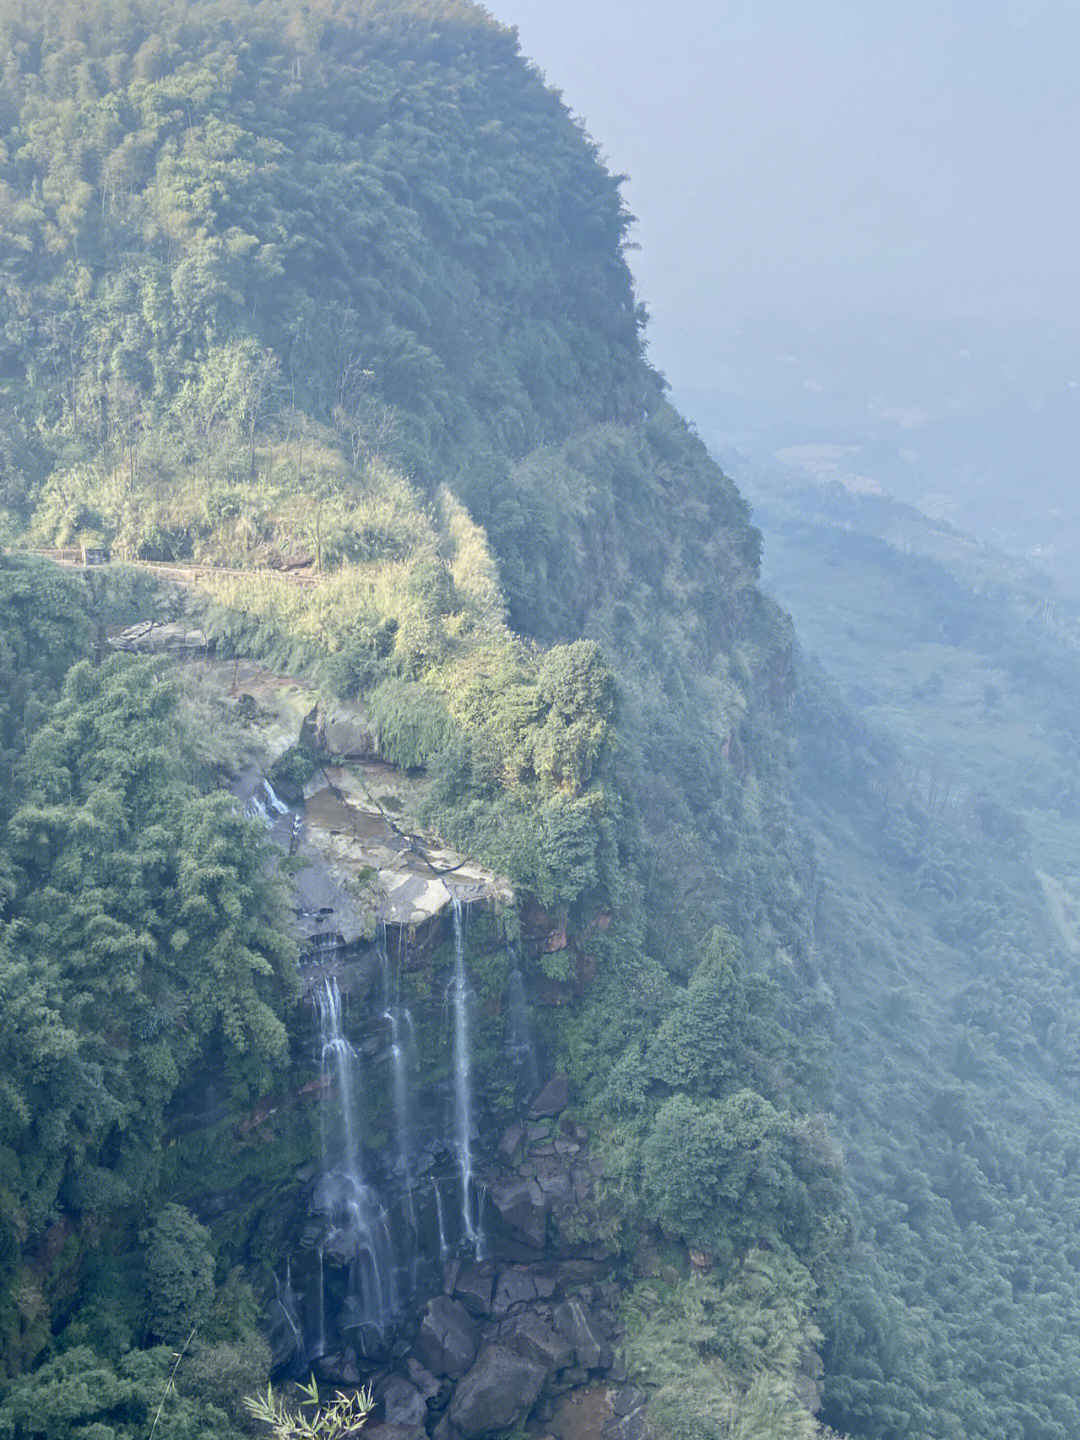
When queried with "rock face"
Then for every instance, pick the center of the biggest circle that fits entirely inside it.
(552, 1100)
(534, 1336)
(402, 1402)
(522, 1209)
(447, 1341)
(473, 1288)
(572, 1321)
(499, 1389)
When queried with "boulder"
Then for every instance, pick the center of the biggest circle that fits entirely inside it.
(533, 1336)
(572, 1320)
(377, 1430)
(474, 1288)
(422, 1379)
(447, 1341)
(402, 1403)
(522, 1208)
(552, 1100)
(516, 1288)
(500, 1389)
(512, 1145)
(347, 734)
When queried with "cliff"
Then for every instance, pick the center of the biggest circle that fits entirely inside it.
(318, 324)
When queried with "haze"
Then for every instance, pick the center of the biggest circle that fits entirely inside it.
(857, 226)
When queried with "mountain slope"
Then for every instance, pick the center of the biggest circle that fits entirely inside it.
(339, 295)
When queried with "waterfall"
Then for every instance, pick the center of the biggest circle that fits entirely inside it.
(320, 1342)
(256, 810)
(339, 1062)
(444, 1245)
(384, 963)
(519, 1044)
(462, 1059)
(358, 1228)
(286, 1298)
(274, 799)
(400, 1045)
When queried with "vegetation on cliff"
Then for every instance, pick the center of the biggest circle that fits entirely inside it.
(341, 293)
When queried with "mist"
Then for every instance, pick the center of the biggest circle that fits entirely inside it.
(856, 228)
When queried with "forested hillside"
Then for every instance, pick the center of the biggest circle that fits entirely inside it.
(328, 307)
(343, 293)
(945, 826)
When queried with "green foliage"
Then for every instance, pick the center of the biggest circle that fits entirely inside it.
(218, 271)
(140, 926)
(334, 1419)
(725, 1360)
(80, 1396)
(271, 273)
(179, 1274)
(410, 724)
(292, 770)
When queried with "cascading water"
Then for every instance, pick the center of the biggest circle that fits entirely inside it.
(358, 1232)
(462, 1065)
(274, 800)
(444, 1244)
(256, 810)
(400, 1045)
(339, 1061)
(286, 1298)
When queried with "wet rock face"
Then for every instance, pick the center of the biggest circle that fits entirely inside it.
(456, 1263)
(500, 1389)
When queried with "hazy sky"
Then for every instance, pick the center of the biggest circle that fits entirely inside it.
(822, 159)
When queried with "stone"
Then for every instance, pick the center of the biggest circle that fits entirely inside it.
(512, 1145)
(423, 1379)
(573, 1321)
(629, 1427)
(554, 1182)
(447, 1341)
(531, 1335)
(628, 1400)
(402, 1402)
(516, 1287)
(347, 735)
(451, 1271)
(341, 1368)
(380, 1431)
(522, 1208)
(701, 1259)
(540, 1130)
(552, 1100)
(500, 1389)
(545, 1286)
(474, 1288)
(284, 1339)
